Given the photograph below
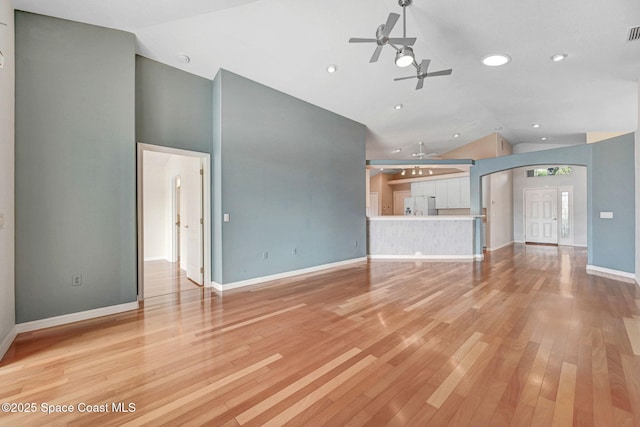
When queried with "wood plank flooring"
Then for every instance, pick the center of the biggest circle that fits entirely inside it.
(164, 277)
(523, 338)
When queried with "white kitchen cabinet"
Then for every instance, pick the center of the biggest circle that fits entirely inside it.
(442, 194)
(465, 196)
(451, 193)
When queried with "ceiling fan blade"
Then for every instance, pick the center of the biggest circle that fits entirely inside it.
(440, 73)
(407, 41)
(420, 84)
(358, 40)
(424, 65)
(376, 54)
(391, 22)
(404, 78)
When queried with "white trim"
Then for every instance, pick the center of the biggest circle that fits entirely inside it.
(500, 247)
(7, 341)
(611, 274)
(75, 317)
(519, 241)
(427, 257)
(478, 257)
(242, 283)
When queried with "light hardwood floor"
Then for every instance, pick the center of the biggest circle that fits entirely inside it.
(523, 338)
(164, 277)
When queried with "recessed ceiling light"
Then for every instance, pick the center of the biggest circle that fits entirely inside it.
(559, 57)
(496, 60)
(456, 135)
(544, 138)
(398, 106)
(184, 58)
(536, 125)
(332, 68)
(397, 150)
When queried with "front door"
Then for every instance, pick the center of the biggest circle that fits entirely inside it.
(541, 215)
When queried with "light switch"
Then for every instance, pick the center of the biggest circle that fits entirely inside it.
(606, 215)
(1, 220)
(225, 217)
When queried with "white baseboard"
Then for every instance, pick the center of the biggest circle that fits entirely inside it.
(7, 341)
(500, 247)
(426, 257)
(75, 317)
(518, 241)
(623, 276)
(242, 283)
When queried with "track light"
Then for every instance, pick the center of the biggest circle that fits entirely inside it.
(413, 172)
(403, 172)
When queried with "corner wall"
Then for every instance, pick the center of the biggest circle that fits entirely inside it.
(637, 168)
(75, 167)
(7, 203)
(291, 177)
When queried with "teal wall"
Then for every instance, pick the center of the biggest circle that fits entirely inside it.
(292, 177)
(173, 108)
(613, 190)
(75, 167)
(610, 187)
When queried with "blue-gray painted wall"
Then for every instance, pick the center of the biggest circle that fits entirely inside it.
(613, 190)
(75, 167)
(173, 108)
(292, 177)
(610, 187)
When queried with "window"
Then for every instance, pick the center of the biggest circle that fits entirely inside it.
(558, 170)
(564, 215)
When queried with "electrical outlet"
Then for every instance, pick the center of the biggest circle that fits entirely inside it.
(265, 255)
(294, 251)
(76, 280)
(355, 244)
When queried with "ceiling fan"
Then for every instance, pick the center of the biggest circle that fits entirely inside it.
(421, 154)
(422, 73)
(382, 37)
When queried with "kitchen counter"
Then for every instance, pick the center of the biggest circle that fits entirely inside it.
(422, 237)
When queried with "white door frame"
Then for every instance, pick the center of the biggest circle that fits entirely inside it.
(206, 201)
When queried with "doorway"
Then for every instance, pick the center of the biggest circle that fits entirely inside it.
(174, 244)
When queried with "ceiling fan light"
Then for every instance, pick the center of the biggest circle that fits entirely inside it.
(404, 57)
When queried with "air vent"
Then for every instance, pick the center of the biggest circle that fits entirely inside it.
(634, 34)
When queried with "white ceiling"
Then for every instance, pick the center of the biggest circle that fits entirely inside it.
(288, 44)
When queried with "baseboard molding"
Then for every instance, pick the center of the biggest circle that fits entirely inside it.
(623, 276)
(7, 341)
(242, 283)
(500, 247)
(75, 317)
(426, 257)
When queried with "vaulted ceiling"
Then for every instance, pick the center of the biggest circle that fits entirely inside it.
(288, 44)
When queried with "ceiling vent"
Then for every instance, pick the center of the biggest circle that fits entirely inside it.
(634, 34)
